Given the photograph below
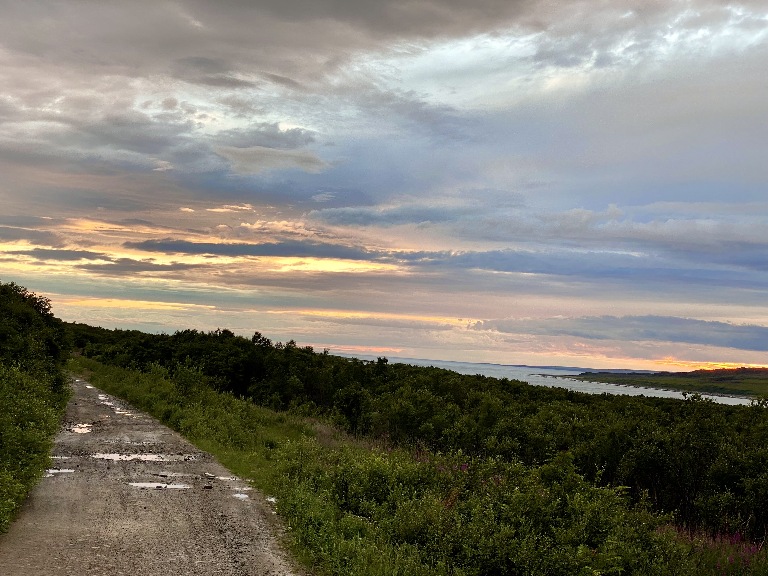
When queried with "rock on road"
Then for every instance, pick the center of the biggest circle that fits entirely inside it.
(126, 495)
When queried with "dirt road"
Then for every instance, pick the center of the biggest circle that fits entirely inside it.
(126, 495)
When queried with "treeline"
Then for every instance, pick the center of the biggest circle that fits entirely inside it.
(33, 394)
(707, 464)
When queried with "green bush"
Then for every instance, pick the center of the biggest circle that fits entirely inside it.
(32, 393)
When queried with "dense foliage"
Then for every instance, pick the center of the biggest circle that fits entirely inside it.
(704, 463)
(361, 510)
(32, 392)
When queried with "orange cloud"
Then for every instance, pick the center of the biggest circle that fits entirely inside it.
(94, 302)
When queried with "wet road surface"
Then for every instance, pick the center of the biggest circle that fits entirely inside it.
(128, 496)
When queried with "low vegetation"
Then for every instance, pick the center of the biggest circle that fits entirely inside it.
(33, 394)
(431, 472)
(355, 507)
(382, 468)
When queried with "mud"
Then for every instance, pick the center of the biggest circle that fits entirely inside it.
(117, 508)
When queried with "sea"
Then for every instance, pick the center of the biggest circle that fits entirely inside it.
(558, 377)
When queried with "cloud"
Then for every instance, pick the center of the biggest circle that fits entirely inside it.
(488, 157)
(232, 208)
(642, 328)
(257, 159)
(10, 233)
(282, 249)
(128, 266)
(386, 216)
(62, 255)
(266, 135)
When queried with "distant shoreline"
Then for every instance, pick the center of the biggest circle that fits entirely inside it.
(602, 381)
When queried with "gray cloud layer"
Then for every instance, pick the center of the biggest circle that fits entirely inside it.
(496, 148)
(638, 328)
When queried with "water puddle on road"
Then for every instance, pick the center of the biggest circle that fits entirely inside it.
(80, 428)
(224, 478)
(145, 457)
(174, 475)
(106, 401)
(158, 486)
(51, 472)
(240, 496)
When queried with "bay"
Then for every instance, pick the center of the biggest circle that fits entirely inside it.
(557, 377)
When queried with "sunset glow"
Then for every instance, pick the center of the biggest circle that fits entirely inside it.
(566, 184)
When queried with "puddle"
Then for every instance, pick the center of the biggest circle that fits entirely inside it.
(240, 496)
(119, 410)
(80, 428)
(125, 442)
(158, 485)
(53, 471)
(174, 475)
(60, 457)
(145, 457)
(88, 386)
(225, 478)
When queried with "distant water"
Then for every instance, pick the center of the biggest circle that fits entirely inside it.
(557, 377)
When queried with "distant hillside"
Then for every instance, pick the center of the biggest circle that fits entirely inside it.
(752, 382)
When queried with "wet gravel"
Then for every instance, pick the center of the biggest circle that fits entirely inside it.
(126, 495)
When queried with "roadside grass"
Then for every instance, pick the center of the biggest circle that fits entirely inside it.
(242, 435)
(30, 412)
(352, 507)
(724, 554)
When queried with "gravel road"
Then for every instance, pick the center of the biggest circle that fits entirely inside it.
(126, 495)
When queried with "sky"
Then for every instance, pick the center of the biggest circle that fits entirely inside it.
(576, 183)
